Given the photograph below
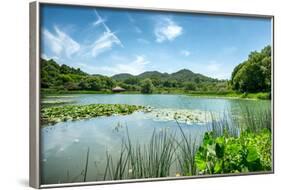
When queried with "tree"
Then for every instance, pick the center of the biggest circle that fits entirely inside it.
(197, 80)
(94, 83)
(254, 74)
(131, 80)
(84, 85)
(189, 86)
(147, 86)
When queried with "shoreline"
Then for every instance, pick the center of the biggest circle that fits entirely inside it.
(228, 95)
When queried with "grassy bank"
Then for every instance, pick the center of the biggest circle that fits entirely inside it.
(231, 94)
(224, 94)
(75, 112)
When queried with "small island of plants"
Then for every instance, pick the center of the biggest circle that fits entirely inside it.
(75, 112)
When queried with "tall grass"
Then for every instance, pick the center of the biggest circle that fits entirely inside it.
(188, 147)
(255, 121)
(226, 125)
(86, 165)
(117, 170)
(153, 159)
(142, 160)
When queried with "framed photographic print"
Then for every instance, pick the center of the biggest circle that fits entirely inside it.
(133, 94)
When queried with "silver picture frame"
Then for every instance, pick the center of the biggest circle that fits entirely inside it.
(34, 99)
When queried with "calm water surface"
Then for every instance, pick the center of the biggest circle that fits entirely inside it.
(64, 145)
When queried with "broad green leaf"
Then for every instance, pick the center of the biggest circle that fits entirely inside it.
(252, 154)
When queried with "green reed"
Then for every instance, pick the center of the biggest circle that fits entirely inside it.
(187, 148)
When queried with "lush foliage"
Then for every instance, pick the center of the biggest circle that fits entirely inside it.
(54, 76)
(182, 81)
(251, 76)
(147, 86)
(75, 112)
(225, 154)
(254, 74)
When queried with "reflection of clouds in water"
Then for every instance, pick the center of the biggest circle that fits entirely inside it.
(97, 134)
(60, 136)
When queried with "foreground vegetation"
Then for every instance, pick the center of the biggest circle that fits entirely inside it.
(76, 112)
(249, 152)
(229, 146)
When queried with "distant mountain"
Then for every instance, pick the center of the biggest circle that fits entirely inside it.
(152, 74)
(187, 75)
(54, 75)
(122, 76)
(183, 75)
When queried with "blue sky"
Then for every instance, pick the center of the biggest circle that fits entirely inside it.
(111, 41)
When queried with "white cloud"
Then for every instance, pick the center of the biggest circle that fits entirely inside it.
(215, 70)
(60, 43)
(167, 29)
(133, 22)
(185, 53)
(46, 57)
(213, 67)
(135, 66)
(106, 41)
(99, 21)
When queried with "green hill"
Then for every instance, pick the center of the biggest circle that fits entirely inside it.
(183, 75)
(122, 76)
(63, 77)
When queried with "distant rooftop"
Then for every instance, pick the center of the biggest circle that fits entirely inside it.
(118, 89)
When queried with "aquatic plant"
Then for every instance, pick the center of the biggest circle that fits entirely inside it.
(117, 170)
(253, 120)
(142, 161)
(153, 159)
(225, 125)
(187, 148)
(50, 102)
(76, 112)
(86, 165)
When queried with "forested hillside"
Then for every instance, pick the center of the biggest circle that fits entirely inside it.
(63, 77)
(251, 76)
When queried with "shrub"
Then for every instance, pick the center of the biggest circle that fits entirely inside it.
(249, 152)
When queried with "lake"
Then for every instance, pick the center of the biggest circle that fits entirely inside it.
(64, 145)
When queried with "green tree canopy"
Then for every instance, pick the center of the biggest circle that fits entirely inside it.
(147, 86)
(254, 74)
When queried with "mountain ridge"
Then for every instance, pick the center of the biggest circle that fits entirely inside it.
(182, 75)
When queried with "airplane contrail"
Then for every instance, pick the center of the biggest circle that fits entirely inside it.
(107, 29)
